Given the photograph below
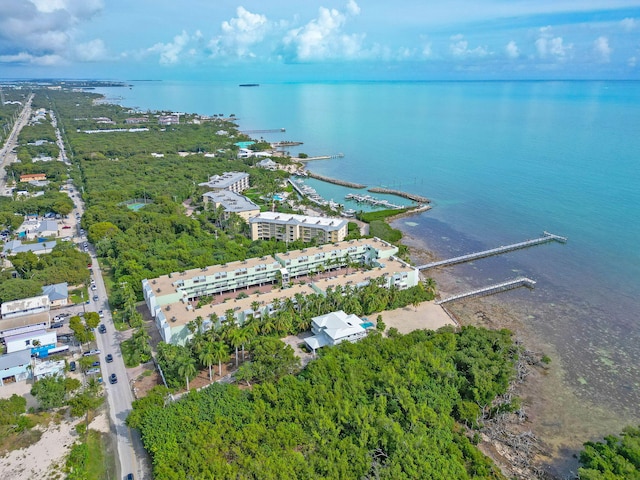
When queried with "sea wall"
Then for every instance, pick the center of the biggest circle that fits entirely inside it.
(335, 181)
(410, 196)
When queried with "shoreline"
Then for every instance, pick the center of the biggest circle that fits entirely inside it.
(558, 415)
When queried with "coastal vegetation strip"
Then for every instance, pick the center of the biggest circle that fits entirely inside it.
(384, 408)
(335, 181)
(400, 193)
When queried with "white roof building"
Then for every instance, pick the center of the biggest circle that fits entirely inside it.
(233, 181)
(288, 227)
(232, 202)
(25, 306)
(334, 328)
(267, 163)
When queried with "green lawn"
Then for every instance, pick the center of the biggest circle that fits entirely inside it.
(87, 460)
(76, 296)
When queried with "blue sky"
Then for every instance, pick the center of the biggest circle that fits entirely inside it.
(297, 40)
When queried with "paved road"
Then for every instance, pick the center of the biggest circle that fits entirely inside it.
(6, 153)
(130, 450)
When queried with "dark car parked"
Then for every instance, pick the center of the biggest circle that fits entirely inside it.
(72, 366)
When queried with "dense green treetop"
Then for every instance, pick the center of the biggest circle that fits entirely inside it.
(615, 458)
(383, 408)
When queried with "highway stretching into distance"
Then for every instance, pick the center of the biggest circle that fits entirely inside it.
(119, 396)
(131, 454)
(7, 153)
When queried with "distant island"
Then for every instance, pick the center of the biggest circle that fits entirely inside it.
(249, 84)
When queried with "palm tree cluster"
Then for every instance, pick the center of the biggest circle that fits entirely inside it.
(290, 316)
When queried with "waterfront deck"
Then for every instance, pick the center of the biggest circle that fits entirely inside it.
(546, 238)
(492, 289)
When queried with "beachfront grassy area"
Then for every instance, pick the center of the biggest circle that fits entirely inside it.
(87, 460)
(380, 214)
(384, 231)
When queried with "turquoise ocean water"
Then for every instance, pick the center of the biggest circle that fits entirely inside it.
(502, 161)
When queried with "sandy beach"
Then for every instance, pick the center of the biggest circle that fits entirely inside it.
(427, 315)
(48, 455)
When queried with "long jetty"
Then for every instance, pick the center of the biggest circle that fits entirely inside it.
(269, 130)
(546, 238)
(490, 290)
(335, 180)
(400, 193)
(319, 157)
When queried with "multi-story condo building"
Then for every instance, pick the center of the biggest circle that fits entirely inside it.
(172, 299)
(232, 202)
(232, 181)
(287, 228)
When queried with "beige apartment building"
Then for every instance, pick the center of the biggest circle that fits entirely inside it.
(288, 227)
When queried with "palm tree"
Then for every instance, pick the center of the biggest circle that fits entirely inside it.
(236, 338)
(187, 368)
(267, 325)
(255, 306)
(207, 357)
(247, 335)
(220, 352)
(430, 285)
(282, 322)
(229, 315)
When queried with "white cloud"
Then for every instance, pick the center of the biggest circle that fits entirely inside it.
(323, 38)
(632, 61)
(170, 52)
(549, 46)
(512, 50)
(459, 47)
(27, 58)
(92, 51)
(427, 50)
(353, 8)
(240, 34)
(629, 24)
(42, 31)
(602, 49)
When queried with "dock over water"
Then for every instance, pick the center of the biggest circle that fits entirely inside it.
(497, 288)
(546, 238)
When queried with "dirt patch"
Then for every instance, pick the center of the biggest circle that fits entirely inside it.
(144, 382)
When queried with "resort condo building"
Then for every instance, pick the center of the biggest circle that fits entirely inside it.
(173, 299)
(232, 202)
(232, 181)
(287, 228)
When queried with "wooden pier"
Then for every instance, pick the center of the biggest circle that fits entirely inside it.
(490, 290)
(272, 130)
(546, 238)
(320, 157)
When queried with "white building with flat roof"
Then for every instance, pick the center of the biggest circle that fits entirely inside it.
(25, 306)
(233, 181)
(173, 299)
(232, 202)
(288, 227)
